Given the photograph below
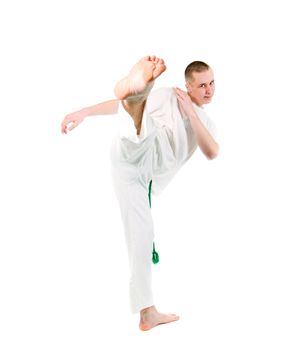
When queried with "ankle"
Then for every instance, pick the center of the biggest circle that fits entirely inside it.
(134, 107)
(148, 310)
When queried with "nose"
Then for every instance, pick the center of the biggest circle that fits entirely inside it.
(209, 90)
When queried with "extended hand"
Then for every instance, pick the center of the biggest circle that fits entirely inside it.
(184, 101)
(76, 118)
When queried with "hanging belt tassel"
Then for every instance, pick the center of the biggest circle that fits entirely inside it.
(155, 255)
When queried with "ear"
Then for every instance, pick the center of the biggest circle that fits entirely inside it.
(188, 87)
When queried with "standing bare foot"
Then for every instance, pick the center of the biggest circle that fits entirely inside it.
(140, 79)
(150, 318)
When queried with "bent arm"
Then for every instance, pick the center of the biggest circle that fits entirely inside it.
(204, 139)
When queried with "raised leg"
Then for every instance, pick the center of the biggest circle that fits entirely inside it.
(134, 89)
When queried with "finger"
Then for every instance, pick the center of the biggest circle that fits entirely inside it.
(62, 128)
(178, 95)
(72, 126)
(64, 122)
(179, 99)
(178, 92)
(182, 96)
(181, 91)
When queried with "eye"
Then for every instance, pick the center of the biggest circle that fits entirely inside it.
(212, 82)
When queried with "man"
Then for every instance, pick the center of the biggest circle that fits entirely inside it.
(169, 124)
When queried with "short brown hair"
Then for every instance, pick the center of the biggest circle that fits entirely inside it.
(196, 66)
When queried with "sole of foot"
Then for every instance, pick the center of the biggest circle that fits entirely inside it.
(139, 81)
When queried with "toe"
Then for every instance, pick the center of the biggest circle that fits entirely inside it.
(146, 58)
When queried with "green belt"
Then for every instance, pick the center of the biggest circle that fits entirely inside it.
(155, 255)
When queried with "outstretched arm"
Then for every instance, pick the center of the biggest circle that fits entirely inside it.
(205, 141)
(107, 107)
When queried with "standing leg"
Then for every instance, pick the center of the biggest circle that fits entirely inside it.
(133, 90)
(139, 234)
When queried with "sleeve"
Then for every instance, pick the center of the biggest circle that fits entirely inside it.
(211, 127)
(208, 122)
(160, 106)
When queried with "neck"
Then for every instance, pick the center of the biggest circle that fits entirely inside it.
(194, 101)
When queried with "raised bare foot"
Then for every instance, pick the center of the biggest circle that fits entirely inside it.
(140, 79)
(150, 318)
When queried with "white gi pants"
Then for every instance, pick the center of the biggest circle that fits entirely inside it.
(156, 154)
(132, 172)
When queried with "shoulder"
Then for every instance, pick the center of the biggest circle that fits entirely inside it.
(202, 114)
(160, 96)
(163, 92)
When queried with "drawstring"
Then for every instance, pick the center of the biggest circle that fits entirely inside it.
(155, 255)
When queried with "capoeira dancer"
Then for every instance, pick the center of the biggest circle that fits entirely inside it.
(167, 125)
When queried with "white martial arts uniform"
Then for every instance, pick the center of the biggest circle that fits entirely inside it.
(165, 143)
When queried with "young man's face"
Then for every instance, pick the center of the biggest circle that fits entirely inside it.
(201, 87)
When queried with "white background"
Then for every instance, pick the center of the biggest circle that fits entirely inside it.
(63, 261)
